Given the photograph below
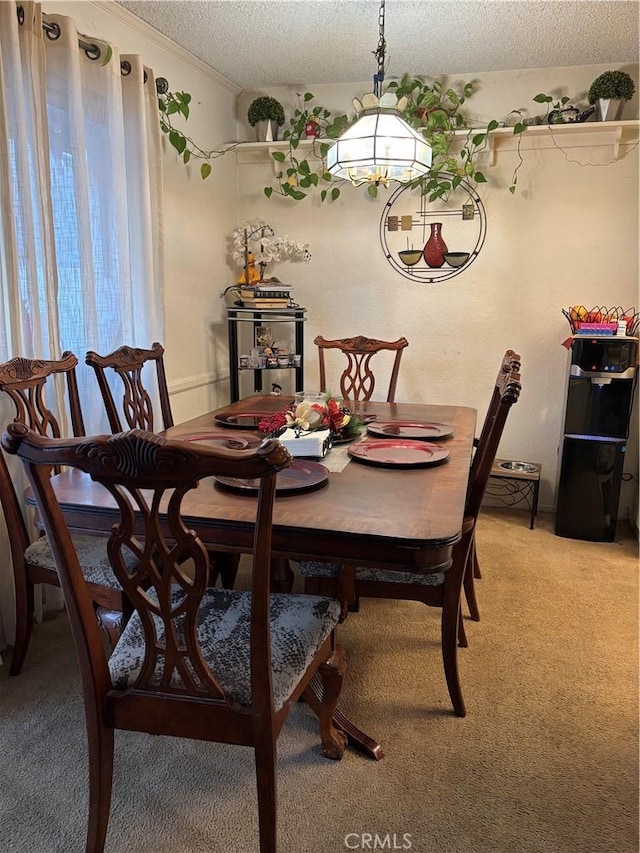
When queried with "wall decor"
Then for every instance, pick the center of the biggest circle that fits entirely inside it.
(432, 241)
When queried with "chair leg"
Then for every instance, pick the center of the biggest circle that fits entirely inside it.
(462, 634)
(100, 781)
(332, 674)
(474, 560)
(266, 781)
(224, 566)
(282, 576)
(470, 594)
(24, 621)
(450, 659)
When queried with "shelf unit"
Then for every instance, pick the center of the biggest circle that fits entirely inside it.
(236, 317)
(617, 135)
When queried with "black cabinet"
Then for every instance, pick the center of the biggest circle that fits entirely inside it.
(243, 325)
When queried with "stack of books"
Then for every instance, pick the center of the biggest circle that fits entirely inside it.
(266, 294)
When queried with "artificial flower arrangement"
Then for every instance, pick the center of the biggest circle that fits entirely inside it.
(308, 416)
(255, 243)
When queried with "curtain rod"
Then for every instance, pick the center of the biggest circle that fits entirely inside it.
(92, 50)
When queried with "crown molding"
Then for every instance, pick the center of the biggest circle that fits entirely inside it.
(124, 16)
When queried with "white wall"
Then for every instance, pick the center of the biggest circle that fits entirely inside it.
(568, 236)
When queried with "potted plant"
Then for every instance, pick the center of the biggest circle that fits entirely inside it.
(266, 115)
(608, 92)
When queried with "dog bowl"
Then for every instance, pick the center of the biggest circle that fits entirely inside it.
(456, 259)
(524, 467)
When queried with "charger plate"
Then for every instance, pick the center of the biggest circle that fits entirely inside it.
(410, 429)
(219, 438)
(241, 420)
(397, 453)
(301, 476)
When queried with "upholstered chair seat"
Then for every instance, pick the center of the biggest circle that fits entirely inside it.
(299, 626)
(92, 554)
(315, 569)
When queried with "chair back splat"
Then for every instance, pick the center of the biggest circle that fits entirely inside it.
(24, 381)
(205, 663)
(358, 380)
(136, 407)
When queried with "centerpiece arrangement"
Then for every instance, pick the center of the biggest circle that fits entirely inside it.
(309, 415)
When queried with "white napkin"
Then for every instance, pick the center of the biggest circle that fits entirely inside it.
(314, 443)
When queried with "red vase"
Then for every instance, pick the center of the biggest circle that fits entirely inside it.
(435, 247)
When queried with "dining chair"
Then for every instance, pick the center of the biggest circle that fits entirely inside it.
(357, 381)
(137, 410)
(29, 384)
(136, 405)
(511, 362)
(193, 661)
(442, 589)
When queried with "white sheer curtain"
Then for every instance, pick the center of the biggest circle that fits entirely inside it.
(81, 250)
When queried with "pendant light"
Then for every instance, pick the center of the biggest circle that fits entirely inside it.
(380, 147)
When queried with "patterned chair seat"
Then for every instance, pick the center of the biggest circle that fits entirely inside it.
(297, 632)
(315, 569)
(92, 556)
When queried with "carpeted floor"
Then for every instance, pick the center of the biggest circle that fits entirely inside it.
(545, 762)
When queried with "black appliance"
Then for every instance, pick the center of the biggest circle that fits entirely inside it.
(602, 381)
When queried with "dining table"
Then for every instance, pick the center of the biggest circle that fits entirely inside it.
(395, 512)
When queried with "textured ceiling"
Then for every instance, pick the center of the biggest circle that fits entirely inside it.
(257, 43)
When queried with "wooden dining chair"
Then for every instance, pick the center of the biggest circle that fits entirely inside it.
(511, 362)
(193, 661)
(357, 381)
(137, 411)
(26, 382)
(136, 405)
(442, 589)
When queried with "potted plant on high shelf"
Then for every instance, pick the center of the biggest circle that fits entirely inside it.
(608, 92)
(266, 115)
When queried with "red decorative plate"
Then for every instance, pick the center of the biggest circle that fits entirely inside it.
(218, 438)
(241, 420)
(301, 476)
(397, 453)
(410, 429)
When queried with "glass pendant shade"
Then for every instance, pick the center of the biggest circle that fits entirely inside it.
(380, 147)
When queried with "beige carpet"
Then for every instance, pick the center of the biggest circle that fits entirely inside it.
(546, 760)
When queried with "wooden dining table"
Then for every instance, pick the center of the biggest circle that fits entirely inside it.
(407, 518)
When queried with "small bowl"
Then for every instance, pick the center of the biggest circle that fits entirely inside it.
(410, 257)
(456, 259)
(525, 467)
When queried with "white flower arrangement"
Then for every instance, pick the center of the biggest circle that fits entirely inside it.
(258, 238)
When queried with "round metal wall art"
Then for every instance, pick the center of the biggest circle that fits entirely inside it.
(453, 232)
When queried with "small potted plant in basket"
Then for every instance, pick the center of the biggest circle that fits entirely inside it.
(266, 115)
(608, 92)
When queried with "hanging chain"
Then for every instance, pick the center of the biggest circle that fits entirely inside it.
(379, 53)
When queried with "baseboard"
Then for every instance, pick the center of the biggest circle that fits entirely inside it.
(190, 383)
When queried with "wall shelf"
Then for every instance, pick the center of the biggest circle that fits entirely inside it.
(616, 135)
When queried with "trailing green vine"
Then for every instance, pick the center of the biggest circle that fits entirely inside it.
(432, 108)
(177, 103)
